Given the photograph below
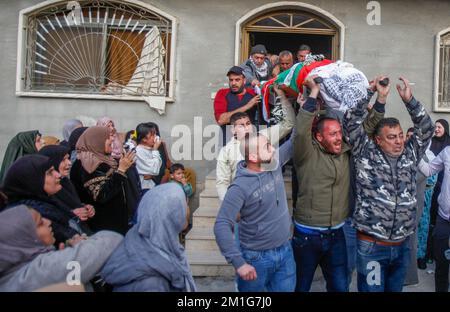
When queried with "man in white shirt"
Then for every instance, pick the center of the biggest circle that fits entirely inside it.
(230, 154)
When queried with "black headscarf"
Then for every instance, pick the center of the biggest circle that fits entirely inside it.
(67, 198)
(56, 153)
(24, 184)
(26, 178)
(438, 144)
(74, 136)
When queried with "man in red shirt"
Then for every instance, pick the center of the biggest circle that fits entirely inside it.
(235, 99)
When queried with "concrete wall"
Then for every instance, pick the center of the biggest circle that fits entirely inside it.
(402, 44)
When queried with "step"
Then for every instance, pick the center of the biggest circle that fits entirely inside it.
(201, 233)
(209, 263)
(201, 239)
(205, 216)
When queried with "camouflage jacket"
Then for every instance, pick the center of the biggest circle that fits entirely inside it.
(386, 205)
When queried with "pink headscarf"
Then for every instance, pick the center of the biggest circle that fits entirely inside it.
(116, 144)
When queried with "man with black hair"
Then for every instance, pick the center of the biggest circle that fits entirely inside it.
(241, 124)
(322, 162)
(148, 158)
(234, 99)
(386, 190)
(302, 52)
(263, 260)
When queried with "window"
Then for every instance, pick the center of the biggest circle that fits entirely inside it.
(442, 70)
(115, 49)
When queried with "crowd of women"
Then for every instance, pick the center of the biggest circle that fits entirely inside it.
(74, 202)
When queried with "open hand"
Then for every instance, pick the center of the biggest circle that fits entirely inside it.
(405, 92)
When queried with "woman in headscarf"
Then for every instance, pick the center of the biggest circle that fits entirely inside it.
(24, 143)
(31, 181)
(112, 188)
(73, 139)
(117, 144)
(151, 257)
(67, 197)
(68, 128)
(440, 140)
(28, 260)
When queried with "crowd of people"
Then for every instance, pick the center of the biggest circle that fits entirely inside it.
(366, 196)
(358, 182)
(73, 201)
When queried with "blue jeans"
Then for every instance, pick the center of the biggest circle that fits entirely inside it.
(327, 250)
(350, 240)
(275, 270)
(382, 268)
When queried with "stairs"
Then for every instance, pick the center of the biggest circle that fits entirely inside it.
(202, 251)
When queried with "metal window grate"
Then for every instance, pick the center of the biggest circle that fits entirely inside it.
(97, 47)
(444, 71)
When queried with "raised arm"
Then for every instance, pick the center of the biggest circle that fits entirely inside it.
(359, 124)
(303, 145)
(279, 131)
(423, 125)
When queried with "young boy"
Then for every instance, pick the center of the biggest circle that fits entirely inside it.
(177, 175)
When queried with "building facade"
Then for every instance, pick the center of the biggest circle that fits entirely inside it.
(67, 59)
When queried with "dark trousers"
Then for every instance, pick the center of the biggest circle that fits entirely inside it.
(441, 237)
(327, 250)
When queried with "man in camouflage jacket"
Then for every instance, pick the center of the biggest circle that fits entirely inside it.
(385, 179)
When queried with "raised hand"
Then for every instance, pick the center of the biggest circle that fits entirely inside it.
(405, 92)
(126, 161)
(383, 91)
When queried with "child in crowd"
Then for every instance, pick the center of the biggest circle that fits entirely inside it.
(177, 175)
(148, 158)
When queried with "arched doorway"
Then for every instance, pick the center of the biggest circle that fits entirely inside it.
(287, 25)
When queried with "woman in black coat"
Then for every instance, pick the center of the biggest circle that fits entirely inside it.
(32, 181)
(113, 188)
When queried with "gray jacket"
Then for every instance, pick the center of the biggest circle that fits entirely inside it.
(251, 73)
(54, 267)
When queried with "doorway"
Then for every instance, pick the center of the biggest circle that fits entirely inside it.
(277, 42)
(287, 29)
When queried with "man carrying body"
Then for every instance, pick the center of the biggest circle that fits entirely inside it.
(386, 201)
(322, 162)
(258, 67)
(302, 52)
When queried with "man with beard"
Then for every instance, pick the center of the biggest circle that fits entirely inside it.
(258, 67)
(263, 259)
(230, 154)
(322, 163)
(234, 99)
